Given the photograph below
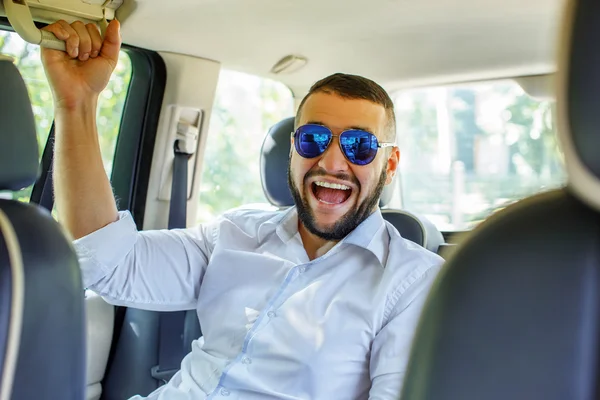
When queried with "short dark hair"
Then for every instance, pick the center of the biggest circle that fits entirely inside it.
(355, 87)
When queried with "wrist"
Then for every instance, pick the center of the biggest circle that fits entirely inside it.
(76, 105)
(77, 116)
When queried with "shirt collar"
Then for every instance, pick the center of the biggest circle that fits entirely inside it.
(287, 224)
(371, 234)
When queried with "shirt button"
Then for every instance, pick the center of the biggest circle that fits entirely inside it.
(271, 314)
(302, 269)
(224, 392)
(246, 360)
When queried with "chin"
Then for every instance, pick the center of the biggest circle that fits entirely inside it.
(325, 225)
(330, 215)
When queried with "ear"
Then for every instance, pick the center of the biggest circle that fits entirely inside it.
(393, 162)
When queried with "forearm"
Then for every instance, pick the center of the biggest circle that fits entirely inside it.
(84, 197)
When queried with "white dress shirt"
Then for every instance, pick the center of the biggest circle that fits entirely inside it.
(275, 324)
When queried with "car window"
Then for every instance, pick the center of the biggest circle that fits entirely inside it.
(110, 105)
(245, 108)
(470, 150)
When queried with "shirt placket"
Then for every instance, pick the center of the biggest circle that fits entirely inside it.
(267, 315)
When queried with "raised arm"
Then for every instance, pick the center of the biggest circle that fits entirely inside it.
(158, 270)
(84, 197)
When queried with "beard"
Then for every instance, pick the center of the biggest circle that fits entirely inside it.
(348, 222)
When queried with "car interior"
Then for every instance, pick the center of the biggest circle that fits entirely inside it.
(499, 175)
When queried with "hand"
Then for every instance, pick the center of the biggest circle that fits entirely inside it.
(83, 71)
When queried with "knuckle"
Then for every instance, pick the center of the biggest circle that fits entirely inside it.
(62, 24)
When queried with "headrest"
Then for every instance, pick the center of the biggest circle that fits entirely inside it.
(19, 157)
(274, 160)
(415, 228)
(578, 99)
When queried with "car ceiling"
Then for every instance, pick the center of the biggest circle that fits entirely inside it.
(395, 42)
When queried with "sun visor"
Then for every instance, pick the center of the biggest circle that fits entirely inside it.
(540, 87)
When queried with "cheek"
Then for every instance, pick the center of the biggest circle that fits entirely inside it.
(299, 167)
(368, 177)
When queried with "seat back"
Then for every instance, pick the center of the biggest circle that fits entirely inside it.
(45, 307)
(515, 314)
(275, 153)
(415, 228)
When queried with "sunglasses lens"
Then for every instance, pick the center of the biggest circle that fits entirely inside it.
(360, 147)
(312, 140)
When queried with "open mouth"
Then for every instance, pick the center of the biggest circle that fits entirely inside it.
(331, 193)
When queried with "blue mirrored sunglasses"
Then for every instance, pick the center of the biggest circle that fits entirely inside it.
(358, 146)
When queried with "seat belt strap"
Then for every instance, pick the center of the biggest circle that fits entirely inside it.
(171, 341)
(43, 189)
(179, 189)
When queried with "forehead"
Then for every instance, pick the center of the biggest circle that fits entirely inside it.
(339, 113)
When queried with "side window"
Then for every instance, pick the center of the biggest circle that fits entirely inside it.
(470, 150)
(110, 105)
(245, 108)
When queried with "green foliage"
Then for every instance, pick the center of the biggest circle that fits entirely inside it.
(245, 108)
(110, 105)
(505, 140)
(537, 137)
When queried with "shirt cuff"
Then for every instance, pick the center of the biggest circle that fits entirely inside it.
(100, 252)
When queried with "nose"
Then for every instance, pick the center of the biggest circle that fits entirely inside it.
(333, 159)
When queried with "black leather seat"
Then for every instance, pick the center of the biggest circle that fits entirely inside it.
(515, 314)
(42, 331)
(274, 163)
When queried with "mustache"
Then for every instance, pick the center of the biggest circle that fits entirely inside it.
(340, 176)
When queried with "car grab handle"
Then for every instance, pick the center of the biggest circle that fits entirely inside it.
(50, 41)
(19, 16)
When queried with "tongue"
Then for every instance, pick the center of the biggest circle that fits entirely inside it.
(333, 196)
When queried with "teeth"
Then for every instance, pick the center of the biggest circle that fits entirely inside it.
(332, 185)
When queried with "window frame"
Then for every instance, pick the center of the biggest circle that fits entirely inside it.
(134, 149)
(138, 127)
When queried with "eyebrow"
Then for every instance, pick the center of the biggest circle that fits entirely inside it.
(356, 127)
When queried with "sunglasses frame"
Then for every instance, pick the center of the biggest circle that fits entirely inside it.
(380, 145)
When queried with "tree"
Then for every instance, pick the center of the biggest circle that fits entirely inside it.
(537, 143)
(465, 125)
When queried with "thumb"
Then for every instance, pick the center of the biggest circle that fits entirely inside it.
(112, 41)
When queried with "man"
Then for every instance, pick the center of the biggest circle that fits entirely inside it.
(319, 301)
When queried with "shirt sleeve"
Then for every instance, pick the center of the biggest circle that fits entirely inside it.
(391, 348)
(158, 270)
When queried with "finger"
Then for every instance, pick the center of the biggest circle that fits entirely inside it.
(112, 42)
(72, 41)
(94, 32)
(85, 41)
